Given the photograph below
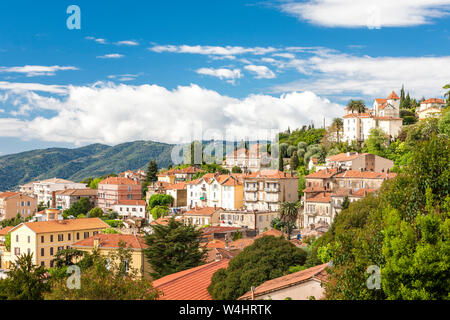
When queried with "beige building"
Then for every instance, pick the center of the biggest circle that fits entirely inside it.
(115, 189)
(179, 193)
(265, 190)
(43, 189)
(256, 220)
(12, 203)
(249, 160)
(109, 243)
(45, 239)
(430, 108)
(202, 216)
(358, 161)
(66, 198)
(131, 208)
(301, 285)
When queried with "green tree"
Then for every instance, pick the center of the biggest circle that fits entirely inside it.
(236, 169)
(444, 123)
(159, 212)
(94, 183)
(267, 258)
(25, 281)
(8, 241)
(377, 143)
(293, 162)
(82, 206)
(95, 213)
(345, 203)
(160, 200)
(338, 127)
(67, 257)
(357, 106)
(152, 172)
(173, 247)
(447, 93)
(289, 214)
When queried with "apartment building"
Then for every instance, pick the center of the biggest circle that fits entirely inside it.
(131, 208)
(202, 216)
(115, 189)
(44, 239)
(358, 161)
(66, 198)
(249, 160)
(384, 115)
(43, 189)
(326, 189)
(265, 190)
(179, 193)
(138, 176)
(430, 108)
(12, 203)
(255, 220)
(178, 175)
(27, 189)
(105, 244)
(157, 187)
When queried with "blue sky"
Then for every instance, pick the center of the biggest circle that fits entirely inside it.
(156, 70)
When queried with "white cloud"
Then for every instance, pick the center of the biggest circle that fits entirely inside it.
(111, 56)
(284, 55)
(33, 71)
(127, 43)
(21, 87)
(371, 76)
(213, 50)
(221, 73)
(114, 114)
(368, 13)
(98, 40)
(261, 72)
(125, 77)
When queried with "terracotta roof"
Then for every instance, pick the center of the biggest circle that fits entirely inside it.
(204, 211)
(5, 230)
(365, 174)
(323, 197)
(433, 100)
(112, 241)
(191, 284)
(188, 170)
(273, 174)
(77, 192)
(272, 232)
(393, 96)
(287, 281)
(160, 184)
(162, 221)
(252, 152)
(55, 180)
(321, 174)
(224, 254)
(381, 101)
(386, 118)
(177, 186)
(218, 229)
(361, 193)
(132, 202)
(344, 157)
(65, 225)
(8, 194)
(118, 181)
(314, 189)
(357, 115)
(237, 244)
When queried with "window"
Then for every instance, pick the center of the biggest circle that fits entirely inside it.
(51, 264)
(60, 237)
(51, 238)
(69, 236)
(29, 239)
(60, 248)
(42, 264)
(86, 235)
(17, 251)
(42, 252)
(108, 263)
(126, 265)
(78, 236)
(95, 233)
(130, 196)
(17, 238)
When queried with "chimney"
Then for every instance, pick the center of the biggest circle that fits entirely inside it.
(218, 256)
(53, 199)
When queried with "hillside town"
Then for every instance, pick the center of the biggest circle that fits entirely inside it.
(232, 205)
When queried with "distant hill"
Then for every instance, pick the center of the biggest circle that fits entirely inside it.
(80, 163)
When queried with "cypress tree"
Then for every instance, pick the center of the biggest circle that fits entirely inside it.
(152, 171)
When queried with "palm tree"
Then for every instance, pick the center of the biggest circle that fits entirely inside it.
(447, 94)
(289, 214)
(356, 105)
(338, 124)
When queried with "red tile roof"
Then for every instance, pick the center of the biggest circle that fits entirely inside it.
(321, 197)
(191, 284)
(218, 229)
(287, 281)
(433, 100)
(118, 181)
(204, 211)
(393, 96)
(112, 241)
(8, 194)
(386, 118)
(381, 101)
(65, 225)
(272, 174)
(365, 174)
(272, 232)
(357, 115)
(5, 230)
(322, 174)
(131, 202)
(345, 157)
(177, 186)
(361, 193)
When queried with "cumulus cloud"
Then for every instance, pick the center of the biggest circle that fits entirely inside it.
(222, 73)
(111, 56)
(368, 13)
(127, 43)
(371, 76)
(98, 40)
(229, 51)
(112, 114)
(261, 72)
(32, 71)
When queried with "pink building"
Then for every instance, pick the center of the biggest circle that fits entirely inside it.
(115, 189)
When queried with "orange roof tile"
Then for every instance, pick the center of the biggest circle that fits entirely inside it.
(287, 281)
(218, 229)
(8, 194)
(322, 174)
(357, 115)
(118, 181)
(345, 157)
(112, 241)
(272, 174)
(191, 284)
(323, 197)
(366, 174)
(65, 225)
(433, 100)
(393, 96)
(77, 192)
(381, 101)
(203, 211)
(132, 202)
(272, 232)
(5, 230)
(177, 186)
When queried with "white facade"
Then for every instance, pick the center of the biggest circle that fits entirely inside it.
(43, 189)
(130, 210)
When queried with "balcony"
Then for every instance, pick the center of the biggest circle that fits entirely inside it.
(251, 199)
(274, 200)
(250, 188)
(271, 190)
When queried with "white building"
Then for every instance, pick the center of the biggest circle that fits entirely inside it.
(130, 208)
(430, 108)
(384, 115)
(250, 160)
(43, 189)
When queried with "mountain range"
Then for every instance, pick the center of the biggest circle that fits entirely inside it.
(77, 164)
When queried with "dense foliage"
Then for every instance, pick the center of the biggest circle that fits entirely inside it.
(267, 258)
